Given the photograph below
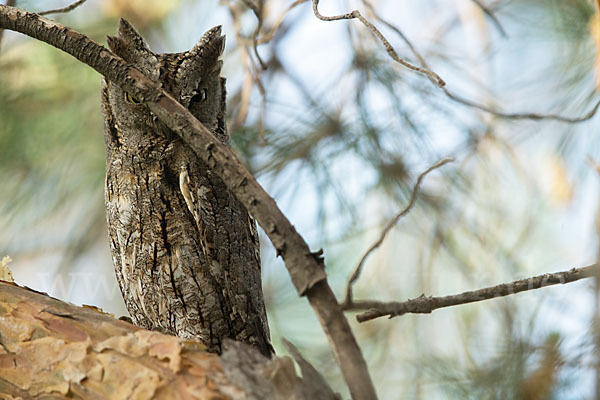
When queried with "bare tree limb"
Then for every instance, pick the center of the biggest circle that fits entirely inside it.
(52, 349)
(306, 268)
(425, 305)
(393, 27)
(64, 9)
(413, 199)
(9, 3)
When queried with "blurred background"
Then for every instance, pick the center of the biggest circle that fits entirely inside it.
(337, 132)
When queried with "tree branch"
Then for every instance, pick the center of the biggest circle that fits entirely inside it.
(9, 3)
(355, 14)
(305, 268)
(531, 116)
(64, 9)
(413, 199)
(425, 305)
(51, 349)
(436, 79)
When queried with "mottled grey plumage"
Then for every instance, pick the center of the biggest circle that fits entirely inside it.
(186, 252)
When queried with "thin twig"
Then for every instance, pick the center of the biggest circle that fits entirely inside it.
(450, 95)
(355, 14)
(425, 305)
(9, 3)
(491, 16)
(258, 12)
(531, 116)
(393, 27)
(251, 76)
(413, 198)
(469, 103)
(66, 9)
(251, 4)
(267, 37)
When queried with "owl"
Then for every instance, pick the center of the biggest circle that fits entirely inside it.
(185, 250)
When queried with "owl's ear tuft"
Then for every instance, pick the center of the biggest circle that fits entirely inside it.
(130, 36)
(209, 48)
(130, 46)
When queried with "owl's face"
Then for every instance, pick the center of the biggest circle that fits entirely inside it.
(192, 77)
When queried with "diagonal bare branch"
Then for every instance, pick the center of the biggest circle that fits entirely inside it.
(413, 198)
(355, 14)
(66, 9)
(394, 28)
(425, 305)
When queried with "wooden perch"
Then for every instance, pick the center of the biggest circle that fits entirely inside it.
(426, 305)
(54, 350)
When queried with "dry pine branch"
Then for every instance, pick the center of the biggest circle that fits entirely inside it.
(425, 305)
(52, 349)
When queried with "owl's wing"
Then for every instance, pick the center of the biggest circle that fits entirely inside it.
(230, 243)
(197, 203)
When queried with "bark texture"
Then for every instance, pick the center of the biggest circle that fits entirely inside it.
(54, 350)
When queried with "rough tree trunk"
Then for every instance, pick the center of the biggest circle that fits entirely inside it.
(54, 350)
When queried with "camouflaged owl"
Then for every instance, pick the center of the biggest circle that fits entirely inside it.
(185, 250)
